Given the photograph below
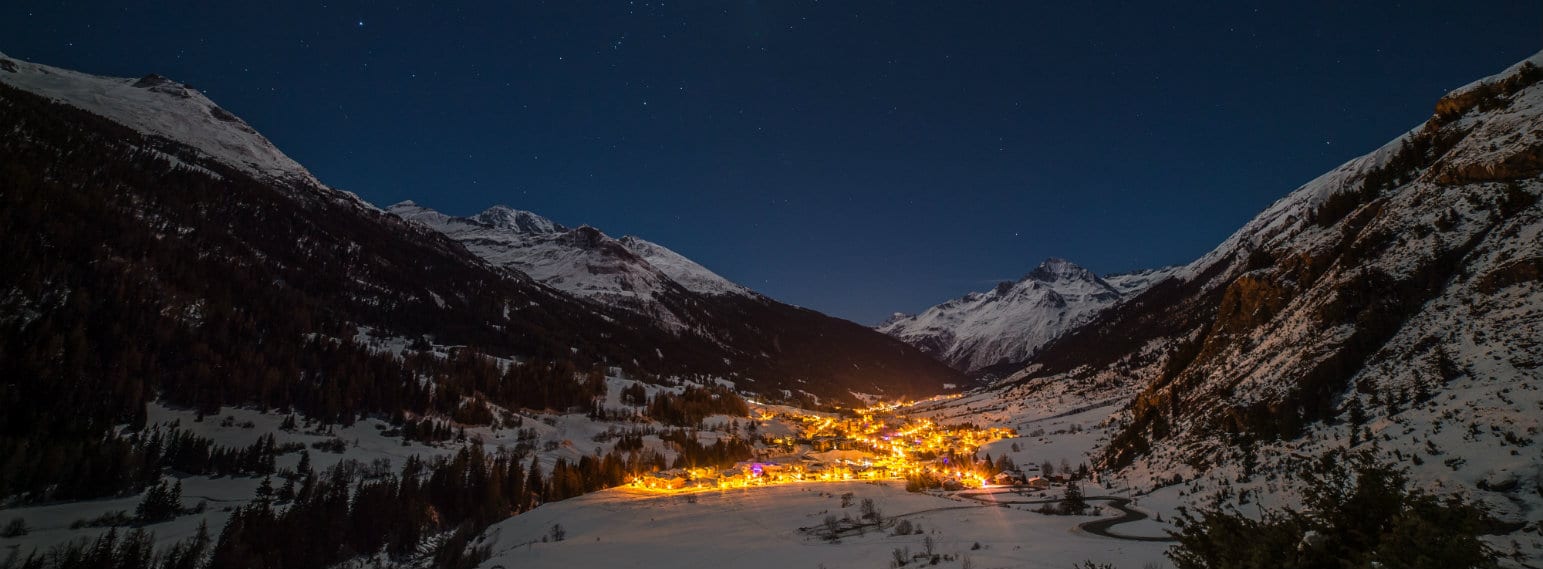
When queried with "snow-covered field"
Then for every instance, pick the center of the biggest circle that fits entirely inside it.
(755, 527)
(760, 527)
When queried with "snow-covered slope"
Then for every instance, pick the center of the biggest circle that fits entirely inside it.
(581, 261)
(761, 529)
(1393, 305)
(1008, 323)
(629, 273)
(1132, 283)
(685, 272)
(155, 105)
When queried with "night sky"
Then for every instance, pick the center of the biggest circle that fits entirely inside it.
(854, 157)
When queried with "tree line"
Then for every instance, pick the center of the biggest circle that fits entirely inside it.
(425, 512)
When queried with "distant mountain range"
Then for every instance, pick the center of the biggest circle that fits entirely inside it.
(1009, 323)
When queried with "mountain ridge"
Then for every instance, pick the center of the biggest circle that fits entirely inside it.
(767, 348)
(582, 261)
(158, 106)
(1011, 321)
(1390, 306)
(679, 296)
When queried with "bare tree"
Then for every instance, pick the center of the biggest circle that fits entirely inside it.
(832, 525)
(871, 511)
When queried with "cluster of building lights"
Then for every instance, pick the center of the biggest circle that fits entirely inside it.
(876, 443)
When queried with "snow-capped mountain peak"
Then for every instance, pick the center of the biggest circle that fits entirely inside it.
(1055, 269)
(893, 318)
(1014, 319)
(410, 210)
(158, 106)
(520, 221)
(629, 273)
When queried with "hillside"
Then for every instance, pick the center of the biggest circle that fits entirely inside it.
(766, 346)
(168, 164)
(1391, 305)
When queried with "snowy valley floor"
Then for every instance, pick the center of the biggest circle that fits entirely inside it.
(760, 527)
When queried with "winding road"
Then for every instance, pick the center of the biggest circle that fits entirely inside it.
(1097, 527)
(1101, 527)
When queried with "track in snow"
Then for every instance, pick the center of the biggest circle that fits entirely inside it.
(1097, 527)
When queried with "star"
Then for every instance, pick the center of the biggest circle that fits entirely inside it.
(361, 23)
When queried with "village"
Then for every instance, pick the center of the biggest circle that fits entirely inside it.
(880, 442)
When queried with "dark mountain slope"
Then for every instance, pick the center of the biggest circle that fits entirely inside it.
(141, 268)
(768, 345)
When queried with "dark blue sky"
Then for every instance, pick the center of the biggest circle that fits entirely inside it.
(854, 157)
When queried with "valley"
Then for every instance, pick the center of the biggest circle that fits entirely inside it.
(205, 350)
(804, 481)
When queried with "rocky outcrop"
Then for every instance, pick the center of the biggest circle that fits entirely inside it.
(1486, 95)
(1513, 273)
(1527, 162)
